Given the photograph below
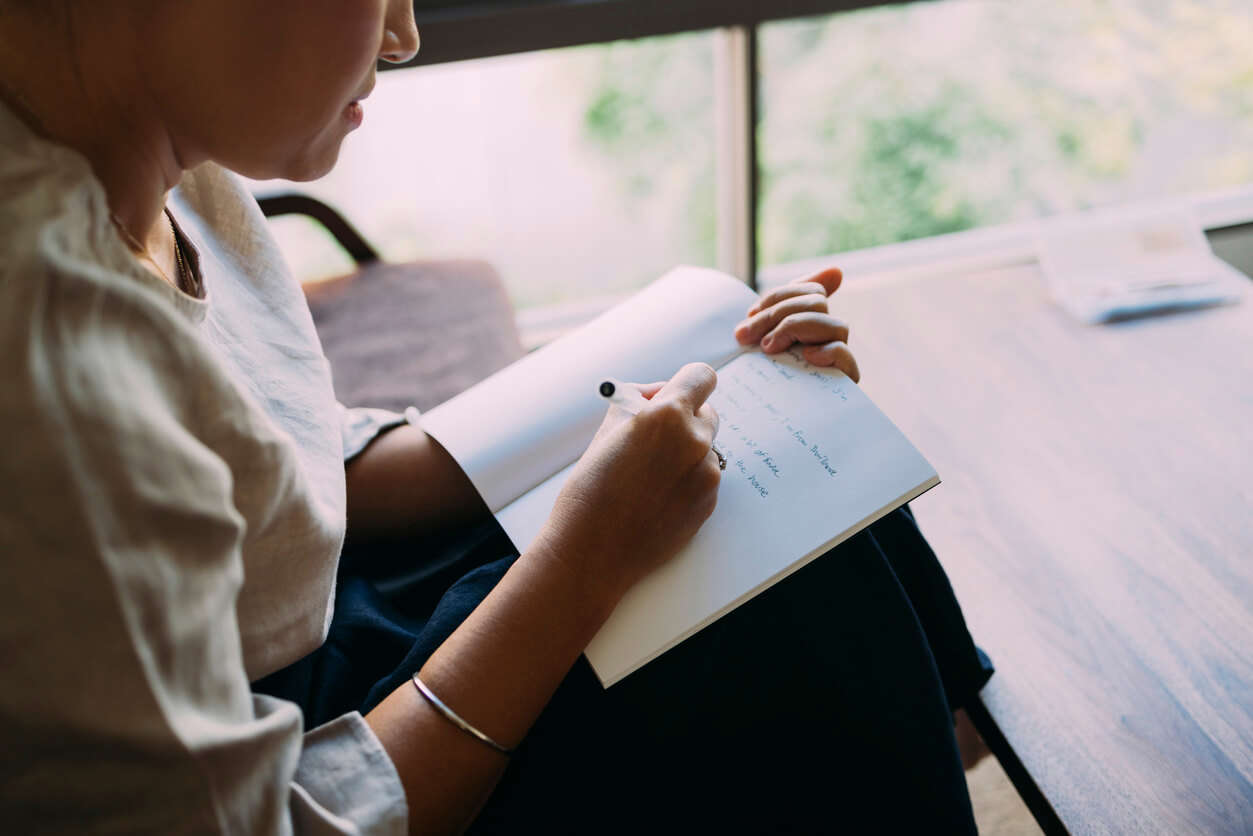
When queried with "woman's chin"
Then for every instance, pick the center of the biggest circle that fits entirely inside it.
(311, 160)
(314, 171)
(313, 165)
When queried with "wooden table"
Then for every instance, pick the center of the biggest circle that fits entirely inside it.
(1096, 518)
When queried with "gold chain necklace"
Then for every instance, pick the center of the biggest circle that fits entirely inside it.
(184, 275)
(137, 247)
(22, 108)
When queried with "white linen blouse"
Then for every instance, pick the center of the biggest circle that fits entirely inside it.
(172, 516)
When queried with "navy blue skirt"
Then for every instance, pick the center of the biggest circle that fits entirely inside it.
(824, 704)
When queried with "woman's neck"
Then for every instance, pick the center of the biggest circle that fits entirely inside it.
(79, 75)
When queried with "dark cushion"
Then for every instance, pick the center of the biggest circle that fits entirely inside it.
(413, 334)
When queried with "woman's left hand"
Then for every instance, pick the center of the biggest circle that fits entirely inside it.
(797, 312)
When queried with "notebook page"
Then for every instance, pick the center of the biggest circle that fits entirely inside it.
(811, 461)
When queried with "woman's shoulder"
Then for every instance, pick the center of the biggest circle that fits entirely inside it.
(87, 338)
(67, 289)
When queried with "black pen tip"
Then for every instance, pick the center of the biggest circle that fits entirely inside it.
(606, 389)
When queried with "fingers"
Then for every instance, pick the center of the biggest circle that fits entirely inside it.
(810, 328)
(648, 390)
(798, 312)
(825, 283)
(680, 413)
(835, 353)
(691, 386)
(709, 416)
(830, 278)
(784, 292)
(759, 324)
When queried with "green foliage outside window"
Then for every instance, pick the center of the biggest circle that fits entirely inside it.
(902, 122)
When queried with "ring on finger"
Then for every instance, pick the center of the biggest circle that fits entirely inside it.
(722, 460)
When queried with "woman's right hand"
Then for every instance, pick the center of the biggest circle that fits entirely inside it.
(642, 489)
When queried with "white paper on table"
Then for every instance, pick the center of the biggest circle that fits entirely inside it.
(1114, 263)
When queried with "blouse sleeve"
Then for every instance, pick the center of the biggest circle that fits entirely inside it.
(345, 782)
(361, 425)
(127, 707)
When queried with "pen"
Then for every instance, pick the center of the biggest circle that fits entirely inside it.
(627, 397)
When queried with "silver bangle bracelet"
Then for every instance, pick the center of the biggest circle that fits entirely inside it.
(455, 718)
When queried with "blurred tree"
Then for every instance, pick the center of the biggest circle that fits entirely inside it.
(906, 121)
(650, 112)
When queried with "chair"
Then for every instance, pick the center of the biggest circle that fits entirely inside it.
(401, 334)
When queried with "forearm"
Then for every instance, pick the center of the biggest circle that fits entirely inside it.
(639, 493)
(405, 483)
(498, 671)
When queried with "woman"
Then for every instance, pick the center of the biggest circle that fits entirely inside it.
(175, 502)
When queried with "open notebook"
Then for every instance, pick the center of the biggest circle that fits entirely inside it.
(811, 461)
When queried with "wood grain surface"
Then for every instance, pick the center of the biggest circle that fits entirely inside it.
(1096, 518)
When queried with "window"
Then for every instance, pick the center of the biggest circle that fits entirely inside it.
(902, 122)
(577, 173)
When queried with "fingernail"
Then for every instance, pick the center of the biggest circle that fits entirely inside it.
(768, 342)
